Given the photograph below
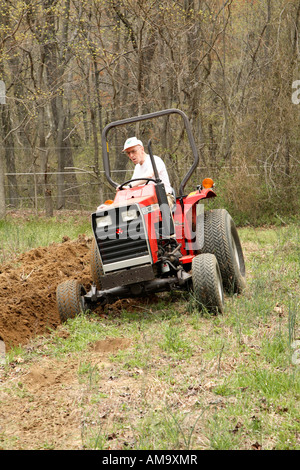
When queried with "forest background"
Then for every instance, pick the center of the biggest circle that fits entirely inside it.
(70, 67)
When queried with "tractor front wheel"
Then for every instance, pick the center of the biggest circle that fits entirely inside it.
(96, 265)
(70, 299)
(207, 283)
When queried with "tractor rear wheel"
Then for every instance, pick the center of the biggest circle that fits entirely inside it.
(70, 301)
(207, 283)
(221, 239)
(96, 265)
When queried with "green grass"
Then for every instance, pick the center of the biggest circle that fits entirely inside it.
(188, 380)
(23, 231)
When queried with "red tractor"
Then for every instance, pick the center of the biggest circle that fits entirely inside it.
(142, 246)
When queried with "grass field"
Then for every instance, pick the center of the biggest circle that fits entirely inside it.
(179, 379)
(22, 231)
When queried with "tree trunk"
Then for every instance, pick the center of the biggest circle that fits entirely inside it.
(56, 64)
(13, 196)
(2, 187)
(44, 154)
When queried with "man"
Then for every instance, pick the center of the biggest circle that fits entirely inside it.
(143, 167)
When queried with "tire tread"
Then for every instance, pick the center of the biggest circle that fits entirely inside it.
(68, 296)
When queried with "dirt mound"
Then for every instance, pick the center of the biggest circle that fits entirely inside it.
(28, 287)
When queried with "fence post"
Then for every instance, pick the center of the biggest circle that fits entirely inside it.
(2, 165)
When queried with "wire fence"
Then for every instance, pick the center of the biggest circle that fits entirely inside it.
(84, 190)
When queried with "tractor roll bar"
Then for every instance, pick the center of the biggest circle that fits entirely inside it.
(144, 117)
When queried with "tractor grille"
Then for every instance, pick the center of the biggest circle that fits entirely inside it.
(122, 242)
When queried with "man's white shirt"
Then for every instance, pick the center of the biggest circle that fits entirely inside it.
(146, 169)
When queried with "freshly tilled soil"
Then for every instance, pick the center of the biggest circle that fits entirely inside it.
(28, 288)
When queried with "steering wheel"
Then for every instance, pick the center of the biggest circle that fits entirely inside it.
(136, 179)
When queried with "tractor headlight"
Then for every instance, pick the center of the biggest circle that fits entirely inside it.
(130, 214)
(103, 221)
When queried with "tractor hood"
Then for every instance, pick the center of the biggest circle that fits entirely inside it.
(143, 195)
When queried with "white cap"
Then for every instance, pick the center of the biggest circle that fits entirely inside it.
(131, 142)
